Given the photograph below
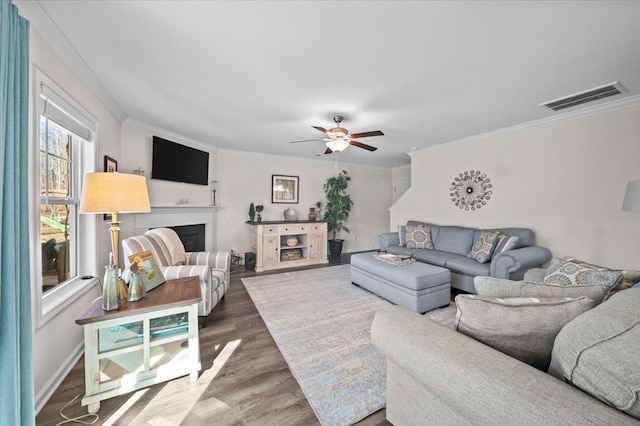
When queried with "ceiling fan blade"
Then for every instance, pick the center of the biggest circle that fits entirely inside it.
(309, 140)
(362, 145)
(367, 134)
(322, 129)
(328, 151)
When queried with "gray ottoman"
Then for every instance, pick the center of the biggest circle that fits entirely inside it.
(417, 286)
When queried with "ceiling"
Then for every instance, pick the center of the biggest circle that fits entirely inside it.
(252, 76)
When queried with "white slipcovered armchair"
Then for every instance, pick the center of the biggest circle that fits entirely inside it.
(212, 267)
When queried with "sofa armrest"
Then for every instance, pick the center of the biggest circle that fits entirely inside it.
(214, 259)
(512, 264)
(476, 383)
(387, 239)
(184, 271)
(535, 275)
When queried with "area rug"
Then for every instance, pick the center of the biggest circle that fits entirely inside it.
(320, 322)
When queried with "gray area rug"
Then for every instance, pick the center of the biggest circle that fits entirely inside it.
(320, 322)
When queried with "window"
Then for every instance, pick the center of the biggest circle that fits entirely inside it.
(58, 203)
(62, 153)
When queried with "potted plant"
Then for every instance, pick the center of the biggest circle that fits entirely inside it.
(337, 209)
(259, 208)
(252, 213)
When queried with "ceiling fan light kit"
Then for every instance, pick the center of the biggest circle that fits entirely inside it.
(337, 145)
(339, 138)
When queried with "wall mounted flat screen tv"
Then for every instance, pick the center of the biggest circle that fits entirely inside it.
(179, 163)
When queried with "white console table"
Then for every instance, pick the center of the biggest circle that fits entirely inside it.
(269, 241)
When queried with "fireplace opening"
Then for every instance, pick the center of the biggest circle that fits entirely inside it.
(192, 236)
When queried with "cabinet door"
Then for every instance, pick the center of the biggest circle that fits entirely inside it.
(316, 246)
(270, 249)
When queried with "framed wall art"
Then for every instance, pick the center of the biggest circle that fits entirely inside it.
(110, 166)
(284, 189)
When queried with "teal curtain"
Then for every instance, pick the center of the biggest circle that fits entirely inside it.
(16, 356)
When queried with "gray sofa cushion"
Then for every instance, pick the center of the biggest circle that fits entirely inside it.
(454, 239)
(464, 265)
(599, 352)
(434, 257)
(523, 328)
(497, 287)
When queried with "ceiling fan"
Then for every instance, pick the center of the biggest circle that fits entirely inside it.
(339, 138)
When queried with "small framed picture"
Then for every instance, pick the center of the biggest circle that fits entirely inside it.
(284, 189)
(150, 274)
(110, 166)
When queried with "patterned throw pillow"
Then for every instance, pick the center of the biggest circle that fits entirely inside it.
(506, 242)
(418, 237)
(629, 277)
(483, 246)
(569, 271)
(402, 230)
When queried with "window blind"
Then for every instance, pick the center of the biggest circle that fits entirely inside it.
(67, 114)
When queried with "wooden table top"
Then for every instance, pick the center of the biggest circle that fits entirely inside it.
(177, 292)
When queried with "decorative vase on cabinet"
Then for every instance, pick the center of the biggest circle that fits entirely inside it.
(290, 214)
(312, 213)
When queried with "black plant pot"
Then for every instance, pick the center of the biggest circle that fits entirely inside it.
(335, 248)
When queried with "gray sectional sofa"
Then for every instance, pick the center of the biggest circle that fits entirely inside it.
(452, 244)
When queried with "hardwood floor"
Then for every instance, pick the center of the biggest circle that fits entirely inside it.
(244, 379)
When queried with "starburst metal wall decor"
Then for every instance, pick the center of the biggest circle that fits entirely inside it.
(471, 190)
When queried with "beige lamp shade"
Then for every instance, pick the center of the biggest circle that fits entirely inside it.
(114, 192)
(631, 201)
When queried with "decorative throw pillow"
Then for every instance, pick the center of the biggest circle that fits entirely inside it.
(629, 277)
(418, 237)
(498, 287)
(598, 352)
(483, 246)
(566, 272)
(506, 242)
(523, 328)
(402, 230)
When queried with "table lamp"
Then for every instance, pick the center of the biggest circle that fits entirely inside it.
(114, 193)
(631, 201)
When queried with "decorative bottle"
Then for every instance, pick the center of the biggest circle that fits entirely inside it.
(110, 296)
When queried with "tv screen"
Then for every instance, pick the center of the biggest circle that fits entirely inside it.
(179, 163)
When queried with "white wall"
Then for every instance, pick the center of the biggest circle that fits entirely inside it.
(565, 180)
(246, 178)
(58, 342)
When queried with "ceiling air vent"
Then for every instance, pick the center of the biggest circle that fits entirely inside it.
(590, 95)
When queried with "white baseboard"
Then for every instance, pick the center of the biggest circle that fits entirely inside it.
(54, 382)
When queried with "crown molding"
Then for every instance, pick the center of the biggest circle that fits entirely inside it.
(50, 32)
(627, 102)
